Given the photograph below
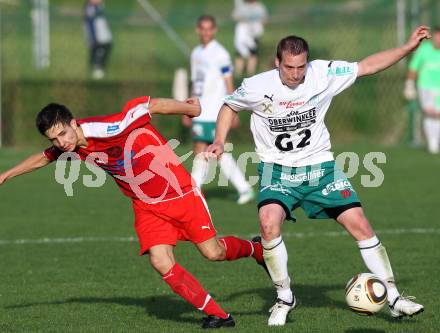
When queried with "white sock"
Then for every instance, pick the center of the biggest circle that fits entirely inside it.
(199, 170)
(275, 257)
(376, 259)
(230, 169)
(432, 133)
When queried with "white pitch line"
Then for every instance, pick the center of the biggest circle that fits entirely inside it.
(413, 231)
(66, 240)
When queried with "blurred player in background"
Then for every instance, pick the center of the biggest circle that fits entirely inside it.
(425, 68)
(99, 37)
(167, 205)
(297, 167)
(211, 81)
(250, 17)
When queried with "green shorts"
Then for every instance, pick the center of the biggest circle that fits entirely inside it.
(203, 131)
(321, 190)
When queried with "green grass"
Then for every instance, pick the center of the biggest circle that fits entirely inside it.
(103, 286)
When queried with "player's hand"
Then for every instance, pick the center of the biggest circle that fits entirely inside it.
(193, 100)
(214, 150)
(186, 121)
(410, 92)
(431, 113)
(419, 34)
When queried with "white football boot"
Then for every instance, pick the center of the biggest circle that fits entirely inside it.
(246, 197)
(404, 306)
(280, 311)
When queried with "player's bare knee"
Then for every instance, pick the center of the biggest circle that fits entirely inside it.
(270, 227)
(269, 231)
(161, 262)
(215, 254)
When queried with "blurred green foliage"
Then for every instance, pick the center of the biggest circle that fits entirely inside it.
(144, 59)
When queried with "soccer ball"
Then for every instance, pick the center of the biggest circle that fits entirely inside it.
(365, 294)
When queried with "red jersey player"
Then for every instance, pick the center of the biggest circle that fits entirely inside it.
(167, 206)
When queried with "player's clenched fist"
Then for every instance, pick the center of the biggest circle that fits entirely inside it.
(214, 150)
(193, 100)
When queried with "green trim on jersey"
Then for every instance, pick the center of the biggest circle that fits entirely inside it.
(321, 190)
(203, 131)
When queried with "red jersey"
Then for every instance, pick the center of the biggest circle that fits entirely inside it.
(133, 152)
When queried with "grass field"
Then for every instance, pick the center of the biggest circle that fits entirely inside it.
(71, 264)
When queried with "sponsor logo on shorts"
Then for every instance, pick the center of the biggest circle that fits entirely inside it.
(345, 193)
(339, 185)
(302, 177)
(276, 188)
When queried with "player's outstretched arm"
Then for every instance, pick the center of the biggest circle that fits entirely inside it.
(32, 163)
(191, 107)
(224, 121)
(382, 60)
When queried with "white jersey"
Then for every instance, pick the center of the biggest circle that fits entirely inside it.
(209, 66)
(288, 124)
(250, 17)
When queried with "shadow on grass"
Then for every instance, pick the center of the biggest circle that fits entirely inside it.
(172, 308)
(161, 307)
(219, 193)
(311, 296)
(307, 296)
(176, 309)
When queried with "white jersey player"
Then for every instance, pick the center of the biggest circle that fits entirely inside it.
(250, 17)
(211, 76)
(288, 124)
(297, 168)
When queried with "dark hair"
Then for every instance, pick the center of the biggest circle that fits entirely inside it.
(51, 115)
(292, 44)
(209, 18)
(436, 29)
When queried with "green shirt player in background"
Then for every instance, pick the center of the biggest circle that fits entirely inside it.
(297, 168)
(425, 67)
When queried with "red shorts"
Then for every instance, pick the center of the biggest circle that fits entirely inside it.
(184, 218)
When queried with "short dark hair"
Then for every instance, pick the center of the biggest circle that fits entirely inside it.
(292, 44)
(436, 29)
(51, 115)
(209, 18)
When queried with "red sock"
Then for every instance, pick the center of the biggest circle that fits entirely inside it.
(186, 286)
(258, 252)
(237, 248)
